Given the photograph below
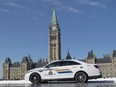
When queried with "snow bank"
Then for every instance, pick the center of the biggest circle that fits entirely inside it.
(104, 80)
(15, 82)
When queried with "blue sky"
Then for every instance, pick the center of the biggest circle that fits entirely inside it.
(85, 25)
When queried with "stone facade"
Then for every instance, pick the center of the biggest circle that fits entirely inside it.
(15, 71)
(107, 64)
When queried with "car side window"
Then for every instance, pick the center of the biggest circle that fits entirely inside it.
(54, 64)
(67, 63)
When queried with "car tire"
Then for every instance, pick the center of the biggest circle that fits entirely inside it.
(81, 77)
(35, 78)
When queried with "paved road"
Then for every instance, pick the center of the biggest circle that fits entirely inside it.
(76, 85)
(66, 84)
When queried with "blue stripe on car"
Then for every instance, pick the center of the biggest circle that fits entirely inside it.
(65, 72)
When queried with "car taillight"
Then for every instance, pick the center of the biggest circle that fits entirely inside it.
(96, 66)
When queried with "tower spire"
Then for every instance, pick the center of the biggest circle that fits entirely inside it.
(68, 55)
(54, 21)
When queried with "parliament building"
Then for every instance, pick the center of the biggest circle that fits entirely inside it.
(17, 70)
(107, 64)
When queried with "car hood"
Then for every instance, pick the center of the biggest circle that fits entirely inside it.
(36, 69)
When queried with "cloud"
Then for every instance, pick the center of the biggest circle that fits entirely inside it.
(56, 2)
(91, 3)
(22, 7)
(71, 9)
(35, 18)
(4, 10)
(14, 5)
(97, 4)
(47, 0)
(61, 6)
(36, 12)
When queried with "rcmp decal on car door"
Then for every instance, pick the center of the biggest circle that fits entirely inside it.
(50, 72)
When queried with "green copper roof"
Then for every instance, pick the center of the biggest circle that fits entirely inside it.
(54, 18)
(68, 56)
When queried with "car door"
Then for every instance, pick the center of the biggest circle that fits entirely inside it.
(60, 70)
(68, 69)
(50, 71)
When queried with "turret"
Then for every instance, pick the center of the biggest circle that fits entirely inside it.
(6, 69)
(68, 56)
(24, 66)
(114, 56)
(91, 57)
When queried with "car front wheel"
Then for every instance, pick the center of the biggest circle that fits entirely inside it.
(35, 78)
(81, 77)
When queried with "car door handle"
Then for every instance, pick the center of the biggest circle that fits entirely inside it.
(74, 67)
(81, 67)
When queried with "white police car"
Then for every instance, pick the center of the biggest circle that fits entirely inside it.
(64, 70)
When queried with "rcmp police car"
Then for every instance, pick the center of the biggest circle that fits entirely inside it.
(64, 70)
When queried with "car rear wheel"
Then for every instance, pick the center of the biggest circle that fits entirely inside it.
(81, 77)
(35, 78)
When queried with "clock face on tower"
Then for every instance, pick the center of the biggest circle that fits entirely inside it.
(54, 28)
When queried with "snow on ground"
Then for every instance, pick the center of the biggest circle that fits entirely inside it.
(15, 82)
(28, 82)
(105, 79)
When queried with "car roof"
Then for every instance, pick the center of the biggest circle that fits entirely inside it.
(70, 60)
(82, 63)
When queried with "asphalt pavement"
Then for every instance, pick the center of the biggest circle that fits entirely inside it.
(65, 84)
